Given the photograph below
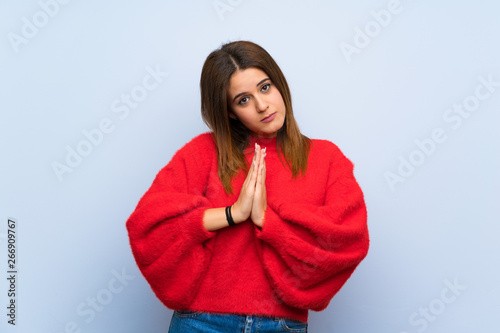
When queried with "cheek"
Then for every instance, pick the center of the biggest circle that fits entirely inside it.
(278, 100)
(280, 104)
(243, 116)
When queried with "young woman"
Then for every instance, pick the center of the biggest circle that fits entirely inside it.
(252, 224)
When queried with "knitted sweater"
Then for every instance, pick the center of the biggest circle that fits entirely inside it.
(313, 237)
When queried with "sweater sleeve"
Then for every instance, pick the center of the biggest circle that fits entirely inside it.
(309, 251)
(166, 230)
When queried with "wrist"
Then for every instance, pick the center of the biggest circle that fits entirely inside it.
(229, 216)
(236, 214)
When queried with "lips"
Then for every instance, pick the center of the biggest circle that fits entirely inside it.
(269, 118)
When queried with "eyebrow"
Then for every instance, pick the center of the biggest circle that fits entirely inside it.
(245, 92)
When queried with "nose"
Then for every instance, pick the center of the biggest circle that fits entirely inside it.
(261, 104)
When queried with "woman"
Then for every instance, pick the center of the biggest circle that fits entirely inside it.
(252, 224)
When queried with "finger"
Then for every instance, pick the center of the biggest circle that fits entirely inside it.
(262, 158)
(254, 163)
(263, 186)
(253, 177)
(258, 154)
(249, 174)
(260, 198)
(258, 188)
(264, 173)
(251, 171)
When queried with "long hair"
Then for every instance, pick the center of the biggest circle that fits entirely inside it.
(230, 135)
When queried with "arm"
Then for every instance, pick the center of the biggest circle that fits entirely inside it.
(309, 251)
(215, 218)
(166, 232)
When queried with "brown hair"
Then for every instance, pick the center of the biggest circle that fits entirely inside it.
(230, 135)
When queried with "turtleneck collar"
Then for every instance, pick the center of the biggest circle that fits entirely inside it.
(270, 143)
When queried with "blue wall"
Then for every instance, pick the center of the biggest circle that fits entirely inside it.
(97, 96)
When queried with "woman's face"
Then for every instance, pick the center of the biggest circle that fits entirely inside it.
(256, 102)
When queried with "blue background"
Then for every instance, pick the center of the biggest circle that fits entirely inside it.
(378, 78)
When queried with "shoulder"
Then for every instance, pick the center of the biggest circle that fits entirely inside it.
(329, 151)
(203, 140)
(325, 146)
(195, 156)
(196, 153)
(202, 143)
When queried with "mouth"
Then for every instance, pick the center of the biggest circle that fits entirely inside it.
(269, 118)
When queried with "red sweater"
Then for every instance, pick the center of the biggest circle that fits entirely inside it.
(313, 237)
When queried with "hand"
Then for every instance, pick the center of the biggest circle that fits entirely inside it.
(260, 196)
(252, 199)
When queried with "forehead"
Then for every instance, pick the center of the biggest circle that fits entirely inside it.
(245, 80)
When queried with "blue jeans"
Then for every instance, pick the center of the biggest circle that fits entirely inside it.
(201, 322)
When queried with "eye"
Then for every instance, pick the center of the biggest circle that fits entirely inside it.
(266, 87)
(242, 101)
